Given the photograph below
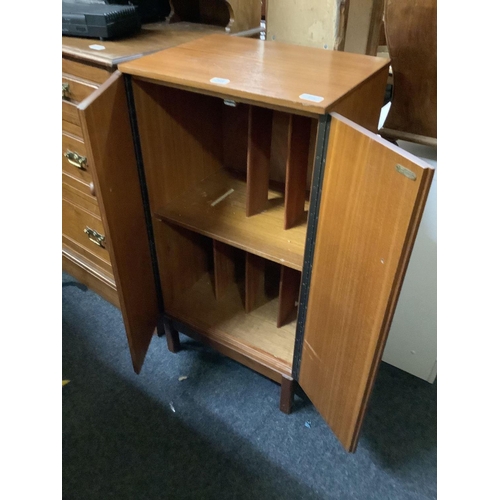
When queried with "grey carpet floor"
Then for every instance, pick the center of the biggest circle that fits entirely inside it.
(226, 438)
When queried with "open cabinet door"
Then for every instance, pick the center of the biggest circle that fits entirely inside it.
(373, 196)
(108, 135)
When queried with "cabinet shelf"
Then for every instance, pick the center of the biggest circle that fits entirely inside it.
(254, 335)
(216, 207)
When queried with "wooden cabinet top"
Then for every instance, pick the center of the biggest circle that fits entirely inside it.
(301, 79)
(151, 38)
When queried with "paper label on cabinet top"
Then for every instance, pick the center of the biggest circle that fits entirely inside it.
(311, 97)
(95, 46)
(220, 81)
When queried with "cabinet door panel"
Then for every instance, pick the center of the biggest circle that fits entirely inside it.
(372, 199)
(108, 137)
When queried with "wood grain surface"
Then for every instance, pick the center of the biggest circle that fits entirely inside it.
(78, 89)
(234, 15)
(411, 33)
(272, 74)
(108, 136)
(253, 334)
(299, 134)
(74, 221)
(85, 71)
(72, 129)
(198, 209)
(254, 282)
(88, 274)
(151, 38)
(368, 219)
(70, 114)
(78, 193)
(288, 295)
(178, 148)
(363, 107)
(260, 121)
(224, 267)
(75, 145)
(183, 258)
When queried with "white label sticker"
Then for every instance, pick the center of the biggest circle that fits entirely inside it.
(220, 81)
(311, 97)
(97, 47)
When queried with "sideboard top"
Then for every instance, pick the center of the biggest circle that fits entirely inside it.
(151, 38)
(289, 77)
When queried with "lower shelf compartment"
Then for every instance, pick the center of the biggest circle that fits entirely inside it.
(253, 334)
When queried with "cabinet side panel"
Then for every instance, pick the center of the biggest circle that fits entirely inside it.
(183, 258)
(371, 204)
(364, 104)
(108, 136)
(178, 148)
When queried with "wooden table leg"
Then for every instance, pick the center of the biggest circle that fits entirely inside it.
(287, 393)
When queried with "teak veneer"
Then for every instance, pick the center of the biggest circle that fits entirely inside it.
(269, 227)
(275, 77)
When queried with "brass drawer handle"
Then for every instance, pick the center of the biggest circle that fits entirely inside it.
(77, 160)
(65, 89)
(95, 237)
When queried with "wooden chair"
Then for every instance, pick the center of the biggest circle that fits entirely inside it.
(411, 34)
(235, 15)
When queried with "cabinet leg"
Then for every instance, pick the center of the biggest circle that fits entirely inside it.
(287, 393)
(173, 342)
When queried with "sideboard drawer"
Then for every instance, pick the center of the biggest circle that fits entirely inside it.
(74, 159)
(80, 194)
(84, 71)
(70, 113)
(73, 92)
(84, 231)
(72, 129)
(76, 90)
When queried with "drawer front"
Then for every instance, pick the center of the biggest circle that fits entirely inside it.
(70, 114)
(72, 129)
(75, 221)
(76, 90)
(84, 71)
(79, 194)
(74, 160)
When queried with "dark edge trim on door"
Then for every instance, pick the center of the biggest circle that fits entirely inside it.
(312, 225)
(145, 197)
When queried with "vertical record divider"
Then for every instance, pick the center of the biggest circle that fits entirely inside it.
(224, 267)
(255, 267)
(288, 295)
(299, 134)
(258, 159)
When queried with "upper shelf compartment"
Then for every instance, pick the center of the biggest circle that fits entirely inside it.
(280, 76)
(233, 172)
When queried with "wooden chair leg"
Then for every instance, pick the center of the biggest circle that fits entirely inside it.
(287, 393)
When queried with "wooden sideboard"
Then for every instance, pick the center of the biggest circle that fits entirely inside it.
(86, 65)
(249, 204)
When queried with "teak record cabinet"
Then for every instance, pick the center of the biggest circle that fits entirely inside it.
(246, 209)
